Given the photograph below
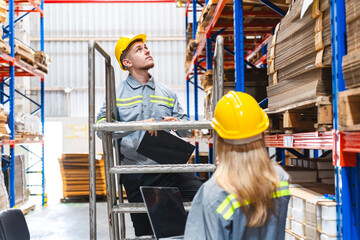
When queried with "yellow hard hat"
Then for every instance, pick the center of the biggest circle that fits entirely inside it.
(122, 45)
(238, 116)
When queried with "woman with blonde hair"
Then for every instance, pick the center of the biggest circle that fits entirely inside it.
(248, 195)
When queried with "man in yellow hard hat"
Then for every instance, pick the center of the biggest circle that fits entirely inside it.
(140, 98)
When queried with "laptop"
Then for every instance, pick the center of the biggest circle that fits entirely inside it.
(165, 148)
(166, 211)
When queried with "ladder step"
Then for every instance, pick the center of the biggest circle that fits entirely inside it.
(138, 207)
(143, 238)
(163, 168)
(141, 126)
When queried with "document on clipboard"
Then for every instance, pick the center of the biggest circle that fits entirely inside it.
(165, 148)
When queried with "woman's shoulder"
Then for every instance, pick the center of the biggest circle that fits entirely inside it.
(283, 175)
(211, 193)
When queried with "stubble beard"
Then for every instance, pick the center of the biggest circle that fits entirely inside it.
(148, 67)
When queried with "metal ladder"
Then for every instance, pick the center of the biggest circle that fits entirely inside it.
(113, 169)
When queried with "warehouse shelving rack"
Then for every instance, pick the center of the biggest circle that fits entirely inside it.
(344, 145)
(238, 53)
(14, 69)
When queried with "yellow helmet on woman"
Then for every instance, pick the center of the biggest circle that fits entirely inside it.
(238, 116)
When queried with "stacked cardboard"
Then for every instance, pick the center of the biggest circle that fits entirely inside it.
(75, 175)
(4, 197)
(20, 179)
(3, 125)
(310, 215)
(351, 61)
(322, 167)
(3, 9)
(299, 56)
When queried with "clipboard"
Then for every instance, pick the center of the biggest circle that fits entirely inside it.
(165, 148)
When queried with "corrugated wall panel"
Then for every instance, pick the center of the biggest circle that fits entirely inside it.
(69, 57)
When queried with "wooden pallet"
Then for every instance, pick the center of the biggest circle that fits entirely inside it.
(41, 67)
(81, 199)
(24, 53)
(27, 207)
(306, 116)
(349, 110)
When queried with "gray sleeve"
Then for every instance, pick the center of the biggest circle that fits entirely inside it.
(202, 221)
(101, 117)
(179, 113)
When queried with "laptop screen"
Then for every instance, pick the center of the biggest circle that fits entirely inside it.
(165, 210)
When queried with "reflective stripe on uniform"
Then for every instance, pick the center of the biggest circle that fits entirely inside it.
(228, 206)
(129, 101)
(101, 119)
(164, 100)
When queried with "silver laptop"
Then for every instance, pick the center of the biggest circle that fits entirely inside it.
(166, 211)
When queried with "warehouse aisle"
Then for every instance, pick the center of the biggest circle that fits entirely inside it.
(69, 221)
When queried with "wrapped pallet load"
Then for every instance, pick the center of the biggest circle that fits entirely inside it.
(20, 179)
(299, 56)
(4, 197)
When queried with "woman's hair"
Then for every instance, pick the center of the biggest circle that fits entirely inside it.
(246, 171)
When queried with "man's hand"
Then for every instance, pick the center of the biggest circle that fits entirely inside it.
(170, 119)
(151, 120)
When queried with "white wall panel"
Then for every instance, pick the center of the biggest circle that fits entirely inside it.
(66, 26)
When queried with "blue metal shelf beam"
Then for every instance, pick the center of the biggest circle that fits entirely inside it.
(239, 46)
(274, 7)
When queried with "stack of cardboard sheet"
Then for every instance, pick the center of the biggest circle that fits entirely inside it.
(4, 197)
(3, 125)
(75, 175)
(255, 85)
(310, 215)
(20, 178)
(351, 61)
(323, 167)
(299, 56)
(3, 9)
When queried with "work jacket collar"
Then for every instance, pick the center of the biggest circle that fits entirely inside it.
(134, 84)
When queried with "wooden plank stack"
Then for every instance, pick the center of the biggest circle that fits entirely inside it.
(299, 56)
(20, 179)
(75, 175)
(351, 61)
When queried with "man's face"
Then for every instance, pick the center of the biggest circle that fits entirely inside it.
(139, 57)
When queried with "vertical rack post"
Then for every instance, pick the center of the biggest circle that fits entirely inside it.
(187, 78)
(209, 67)
(12, 103)
(197, 155)
(338, 33)
(42, 48)
(239, 46)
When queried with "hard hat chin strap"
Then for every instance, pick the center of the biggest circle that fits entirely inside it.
(244, 140)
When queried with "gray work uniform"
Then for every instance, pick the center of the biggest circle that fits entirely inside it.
(215, 214)
(136, 102)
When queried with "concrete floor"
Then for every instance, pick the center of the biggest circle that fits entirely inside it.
(70, 221)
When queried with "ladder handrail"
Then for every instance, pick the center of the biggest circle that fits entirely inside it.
(92, 46)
